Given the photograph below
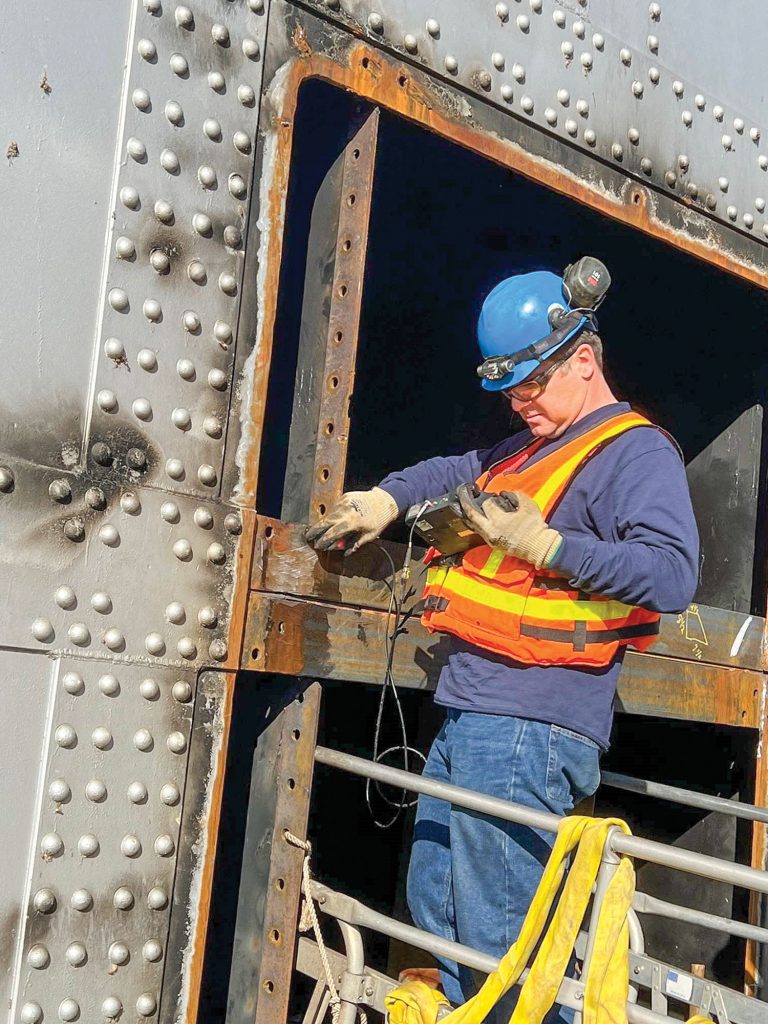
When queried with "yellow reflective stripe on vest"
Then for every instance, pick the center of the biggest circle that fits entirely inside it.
(566, 470)
(543, 608)
(493, 562)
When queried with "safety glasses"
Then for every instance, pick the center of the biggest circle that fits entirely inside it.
(529, 390)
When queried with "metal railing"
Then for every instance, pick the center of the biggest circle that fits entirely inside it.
(646, 972)
(687, 797)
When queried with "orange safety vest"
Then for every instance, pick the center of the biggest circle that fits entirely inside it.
(503, 604)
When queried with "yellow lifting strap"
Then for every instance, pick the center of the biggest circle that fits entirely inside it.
(607, 984)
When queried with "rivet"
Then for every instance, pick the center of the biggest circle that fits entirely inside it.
(51, 845)
(169, 794)
(550, 116)
(142, 738)
(203, 518)
(142, 408)
(73, 683)
(410, 42)
(212, 426)
(677, 88)
(765, 230)
(687, 118)
(130, 503)
(182, 549)
(589, 137)
(206, 176)
(88, 845)
(233, 237)
(626, 56)
(137, 793)
(433, 27)
(175, 613)
(216, 554)
(80, 900)
(111, 1007)
(617, 151)
(220, 34)
(140, 99)
(65, 597)
(114, 639)
(571, 127)
(169, 511)
(754, 134)
(228, 284)
(523, 22)
(502, 12)
(76, 954)
(507, 92)
(38, 958)
(763, 162)
(136, 459)
(101, 602)
(44, 901)
(535, 5)
(451, 64)
(157, 898)
(149, 689)
(181, 418)
(118, 953)
(216, 81)
(109, 685)
(177, 742)
(124, 248)
(586, 60)
(196, 272)
(146, 1004)
(579, 29)
(130, 846)
(152, 6)
(738, 124)
(582, 108)
(222, 332)
(59, 791)
(566, 48)
(634, 136)
(564, 97)
(212, 128)
(723, 184)
(497, 59)
(683, 162)
(169, 161)
(692, 189)
(179, 65)
(598, 41)
(727, 142)
(164, 846)
(207, 617)
(699, 100)
(136, 149)
(217, 649)
(251, 49)
(118, 299)
(123, 898)
(101, 738)
(185, 369)
(237, 186)
(147, 359)
(202, 224)
(246, 95)
(159, 261)
(129, 197)
(732, 212)
(527, 104)
(518, 72)
(182, 691)
(79, 634)
(31, 1013)
(113, 349)
(217, 379)
(60, 490)
(654, 11)
(94, 496)
(175, 469)
(206, 474)
(718, 112)
(74, 529)
(96, 791)
(654, 75)
(748, 219)
(68, 1009)
(653, 44)
(670, 178)
(108, 535)
(154, 644)
(184, 17)
(233, 523)
(759, 204)
(174, 113)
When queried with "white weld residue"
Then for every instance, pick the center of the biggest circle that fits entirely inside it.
(739, 638)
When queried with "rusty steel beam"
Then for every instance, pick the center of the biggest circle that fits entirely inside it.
(285, 564)
(329, 641)
(344, 318)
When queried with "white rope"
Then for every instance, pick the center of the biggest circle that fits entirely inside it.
(309, 919)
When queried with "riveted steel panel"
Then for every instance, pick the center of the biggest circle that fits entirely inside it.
(102, 869)
(619, 85)
(115, 569)
(175, 249)
(61, 78)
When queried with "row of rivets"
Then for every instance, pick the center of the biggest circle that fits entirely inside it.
(52, 845)
(66, 737)
(76, 955)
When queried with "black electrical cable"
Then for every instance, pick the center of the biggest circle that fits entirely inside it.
(396, 598)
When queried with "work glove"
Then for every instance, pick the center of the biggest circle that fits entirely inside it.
(357, 518)
(513, 522)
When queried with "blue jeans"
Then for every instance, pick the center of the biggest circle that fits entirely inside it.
(471, 877)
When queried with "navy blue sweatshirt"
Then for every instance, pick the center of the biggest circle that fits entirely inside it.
(628, 532)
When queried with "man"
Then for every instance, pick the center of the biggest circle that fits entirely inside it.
(598, 539)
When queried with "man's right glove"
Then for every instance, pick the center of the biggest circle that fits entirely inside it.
(361, 515)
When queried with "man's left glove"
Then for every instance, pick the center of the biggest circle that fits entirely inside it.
(522, 532)
(358, 516)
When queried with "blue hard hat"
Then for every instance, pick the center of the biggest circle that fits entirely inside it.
(515, 315)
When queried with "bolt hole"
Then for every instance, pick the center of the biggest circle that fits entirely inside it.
(334, 382)
(280, 884)
(281, 628)
(347, 244)
(274, 936)
(402, 81)
(329, 429)
(338, 337)
(268, 532)
(255, 654)
(296, 733)
(321, 509)
(342, 290)
(269, 987)
(325, 473)
(300, 698)
(291, 783)
(365, 62)
(351, 199)
(636, 198)
(743, 713)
